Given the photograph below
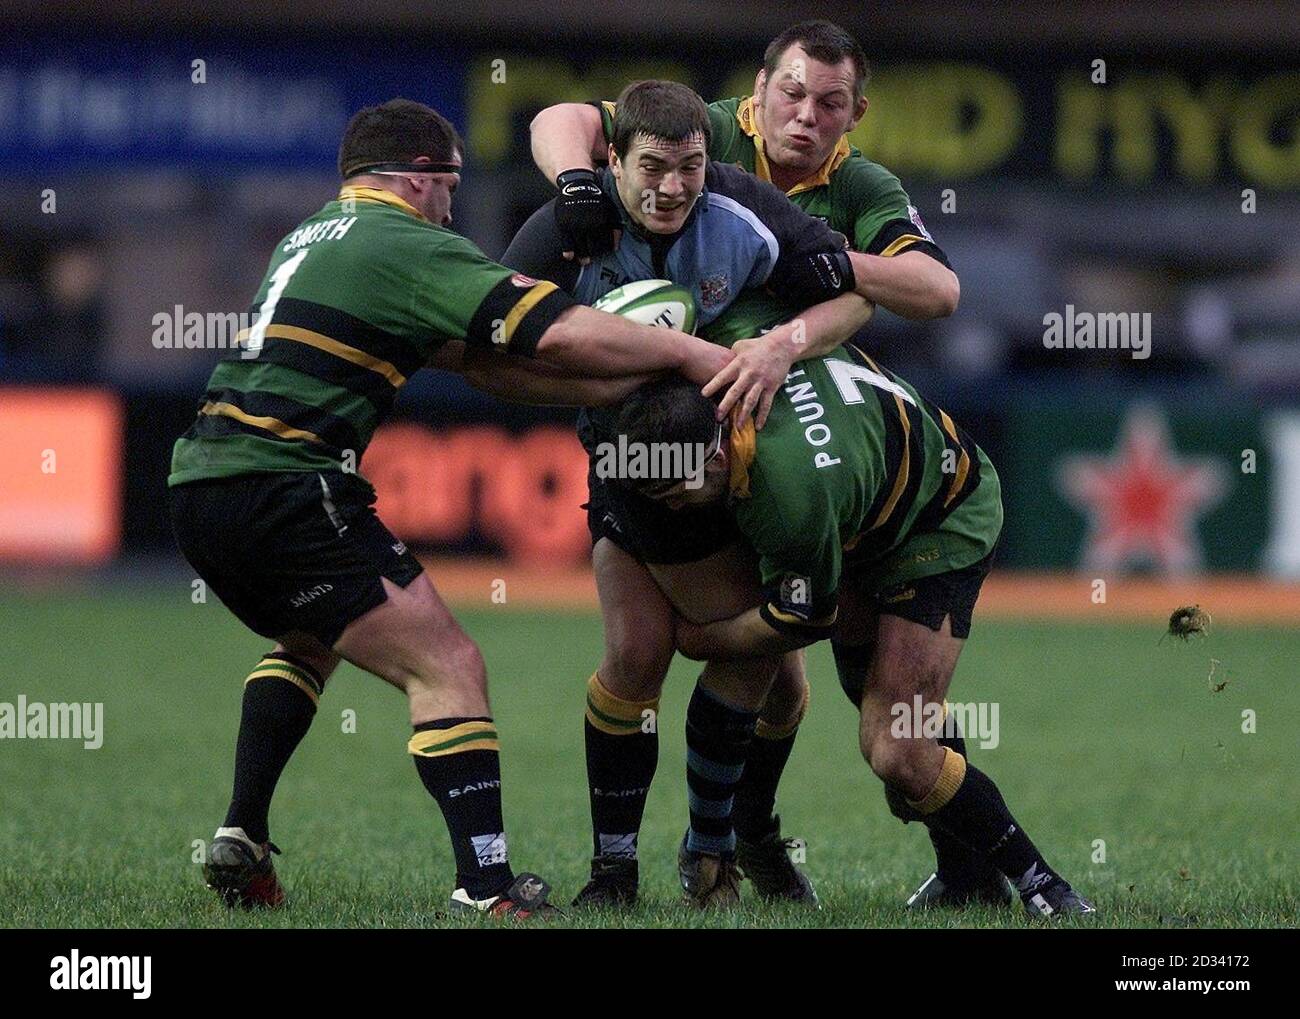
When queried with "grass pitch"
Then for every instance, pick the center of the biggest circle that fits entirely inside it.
(1107, 735)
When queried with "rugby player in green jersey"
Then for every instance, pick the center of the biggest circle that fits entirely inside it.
(268, 507)
(807, 96)
(874, 520)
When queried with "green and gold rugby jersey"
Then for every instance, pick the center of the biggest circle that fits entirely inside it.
(855, 469)
(355, 300)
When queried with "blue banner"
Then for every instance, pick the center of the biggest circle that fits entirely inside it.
(135, 102)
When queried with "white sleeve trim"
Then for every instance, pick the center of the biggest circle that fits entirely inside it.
(759, 227)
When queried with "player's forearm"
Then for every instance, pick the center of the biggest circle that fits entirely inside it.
(590, 342)
(823, 327)
(744, 636)
(567, 136)
(912, 284)
(608, 392)
(527, 380)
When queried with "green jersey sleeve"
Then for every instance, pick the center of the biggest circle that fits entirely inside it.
(606, 108)
(460, 293)
(798, 545)
(726, 136)
(883, 219)
(874, 194)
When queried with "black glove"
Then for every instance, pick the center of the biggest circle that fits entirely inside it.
(585, 216)
(816, 278)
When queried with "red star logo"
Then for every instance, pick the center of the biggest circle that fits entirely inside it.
(1143, 500)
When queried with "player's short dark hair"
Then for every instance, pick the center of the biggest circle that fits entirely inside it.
(659, 109)
(396, 132)
(667, 410)
(824, 41)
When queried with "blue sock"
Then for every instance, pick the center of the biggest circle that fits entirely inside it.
(717, 742)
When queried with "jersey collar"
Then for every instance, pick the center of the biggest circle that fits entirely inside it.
(749, 124)
(744, 444)
(353, 192)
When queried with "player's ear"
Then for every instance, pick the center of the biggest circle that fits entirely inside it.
(760, 82)
(859, 111)
(415, 182)
(615, 163)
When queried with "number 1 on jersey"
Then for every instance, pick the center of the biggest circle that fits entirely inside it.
(279, 280)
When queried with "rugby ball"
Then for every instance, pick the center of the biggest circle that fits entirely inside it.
(652, 303)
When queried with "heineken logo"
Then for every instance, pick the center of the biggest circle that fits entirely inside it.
(1143, 500)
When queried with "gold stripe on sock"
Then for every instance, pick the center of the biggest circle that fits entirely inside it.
(766, 730)
(951, 776)
(455, 740)
(301, 671)
(612, 714)
(272, 668)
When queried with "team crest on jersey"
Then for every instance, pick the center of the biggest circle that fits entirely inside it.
(714, 290)
(520, 280)
(915, 217)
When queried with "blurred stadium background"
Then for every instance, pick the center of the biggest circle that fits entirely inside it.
(134, 189)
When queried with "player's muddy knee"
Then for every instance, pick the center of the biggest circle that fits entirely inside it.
(787, 700)
(898, 763)
(465, 665)
(634, 670)
(456, 663)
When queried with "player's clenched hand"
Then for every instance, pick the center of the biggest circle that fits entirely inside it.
(759, 369)
(585, 216)
(704, 360)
